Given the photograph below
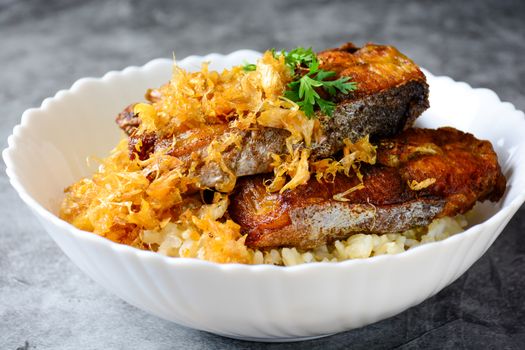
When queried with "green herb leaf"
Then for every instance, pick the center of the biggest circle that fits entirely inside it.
(249, 67)
(323, 74)
(304, 88)
(327, 107)
(342, 84)
(292, 95)
(299, 57)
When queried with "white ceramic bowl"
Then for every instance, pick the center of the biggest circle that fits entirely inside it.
(48, 151)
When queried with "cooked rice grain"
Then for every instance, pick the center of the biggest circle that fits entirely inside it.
(173, 242)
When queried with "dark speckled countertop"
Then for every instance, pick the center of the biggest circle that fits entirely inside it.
(48, 303)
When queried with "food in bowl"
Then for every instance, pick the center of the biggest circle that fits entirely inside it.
(419, 175)
(293, 120)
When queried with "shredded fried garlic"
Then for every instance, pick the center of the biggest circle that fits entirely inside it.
(154, 203)
(295, 166)
(341, 196)
(127, 200)
(353, 154)
(214, 154)
(418, 186)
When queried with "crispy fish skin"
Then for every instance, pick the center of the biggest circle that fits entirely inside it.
(462, 170)
(392, 92)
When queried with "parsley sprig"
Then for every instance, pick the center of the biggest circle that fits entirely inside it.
(309, 80)
(249, 67)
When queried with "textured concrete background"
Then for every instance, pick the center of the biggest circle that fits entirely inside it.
(47, 303)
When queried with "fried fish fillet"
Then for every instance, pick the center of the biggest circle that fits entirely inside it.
(420, 175)
(392, 92)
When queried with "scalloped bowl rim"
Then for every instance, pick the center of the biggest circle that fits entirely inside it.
(506, 211)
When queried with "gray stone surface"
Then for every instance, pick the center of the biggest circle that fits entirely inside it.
(48, 303)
